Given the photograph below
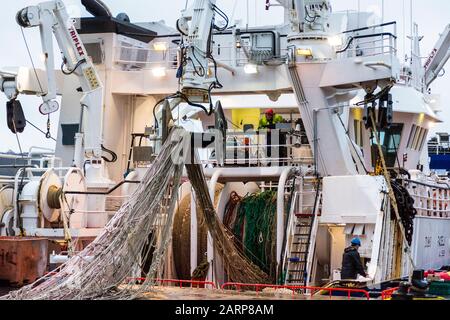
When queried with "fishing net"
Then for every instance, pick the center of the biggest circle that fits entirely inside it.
(141, 231)
(253, 220)
(238, 267)
(104, 265)
(181, 236)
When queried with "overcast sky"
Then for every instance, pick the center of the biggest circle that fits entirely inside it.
(431, 15)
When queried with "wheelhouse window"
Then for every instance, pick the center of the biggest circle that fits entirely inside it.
(390, 141)
(359, 133)
(422, 143)
(417, 138)
(411, 136)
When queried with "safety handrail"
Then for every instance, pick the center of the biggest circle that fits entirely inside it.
(372, 27)
(313, 290)
(428, 185)
(351, 39)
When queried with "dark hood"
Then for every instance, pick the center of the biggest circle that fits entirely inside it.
(350, 249)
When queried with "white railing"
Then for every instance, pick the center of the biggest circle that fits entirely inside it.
(370, 42)
(436, 148)
(18, 161)
(376, 45)
(252, 149)
(168, 59)
(429, 200)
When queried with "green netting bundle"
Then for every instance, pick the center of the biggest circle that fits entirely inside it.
(254, 228)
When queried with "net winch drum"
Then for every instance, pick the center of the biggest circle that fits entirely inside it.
(6, 205)
(49, 196)
(75, 205)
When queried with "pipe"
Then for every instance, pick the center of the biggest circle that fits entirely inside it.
(41, 152)
(226, 67)
(210, 243)
(97, 8)
(213, 182)
(280, 210)
(117, 186)
(247, 174)
(373, 65)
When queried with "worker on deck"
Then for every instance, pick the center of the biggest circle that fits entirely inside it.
(351, 262)
(269, 120)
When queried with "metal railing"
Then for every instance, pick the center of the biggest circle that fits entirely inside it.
(168, 59)
(15, 162)
(430, 200)
(436, 148)
(304, 290)
(370, 41)
(253, 150)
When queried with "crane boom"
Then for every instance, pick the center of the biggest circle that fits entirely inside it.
(196, 26)
(438, 58)
(51, 17)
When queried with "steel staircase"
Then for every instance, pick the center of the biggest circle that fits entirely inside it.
(301, 233)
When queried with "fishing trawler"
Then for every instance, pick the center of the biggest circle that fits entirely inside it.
(347, 160)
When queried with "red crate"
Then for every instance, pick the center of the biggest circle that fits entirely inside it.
(23, 259)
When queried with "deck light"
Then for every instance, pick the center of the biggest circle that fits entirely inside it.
(159, 72)
(307, 52)
(335, 41)
(251, 68)
(160, 46)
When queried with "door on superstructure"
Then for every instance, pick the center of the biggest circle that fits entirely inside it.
(390, 139)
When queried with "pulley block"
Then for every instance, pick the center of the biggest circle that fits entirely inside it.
(15, 117)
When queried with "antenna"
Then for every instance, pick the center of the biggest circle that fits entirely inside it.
(404, 29)
(412, 27)
(234, 11)
(359, 12)
(248, 13)
(256, 13)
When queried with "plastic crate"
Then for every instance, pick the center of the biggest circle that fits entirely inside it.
(440, 288)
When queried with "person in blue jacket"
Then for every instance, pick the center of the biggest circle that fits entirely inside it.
(351, 262)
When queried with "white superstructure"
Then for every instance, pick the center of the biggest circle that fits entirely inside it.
(327, 69)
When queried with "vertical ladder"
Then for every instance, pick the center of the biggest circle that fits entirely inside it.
(302, 238)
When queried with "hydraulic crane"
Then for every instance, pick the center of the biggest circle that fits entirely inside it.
(438, 58)
(52, 18)
(305, 15)
(197, 71)
(196, 27)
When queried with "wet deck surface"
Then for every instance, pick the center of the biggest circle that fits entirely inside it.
(172, 293)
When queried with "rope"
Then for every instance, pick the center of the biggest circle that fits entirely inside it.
(32, 62)
(353, 145)
(54, 195)
(41, 131)
(55, 199)
(22, 178)
(105, 264)
(406, 208)
(392, 197)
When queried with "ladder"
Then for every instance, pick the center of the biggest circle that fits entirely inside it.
(302, 230)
